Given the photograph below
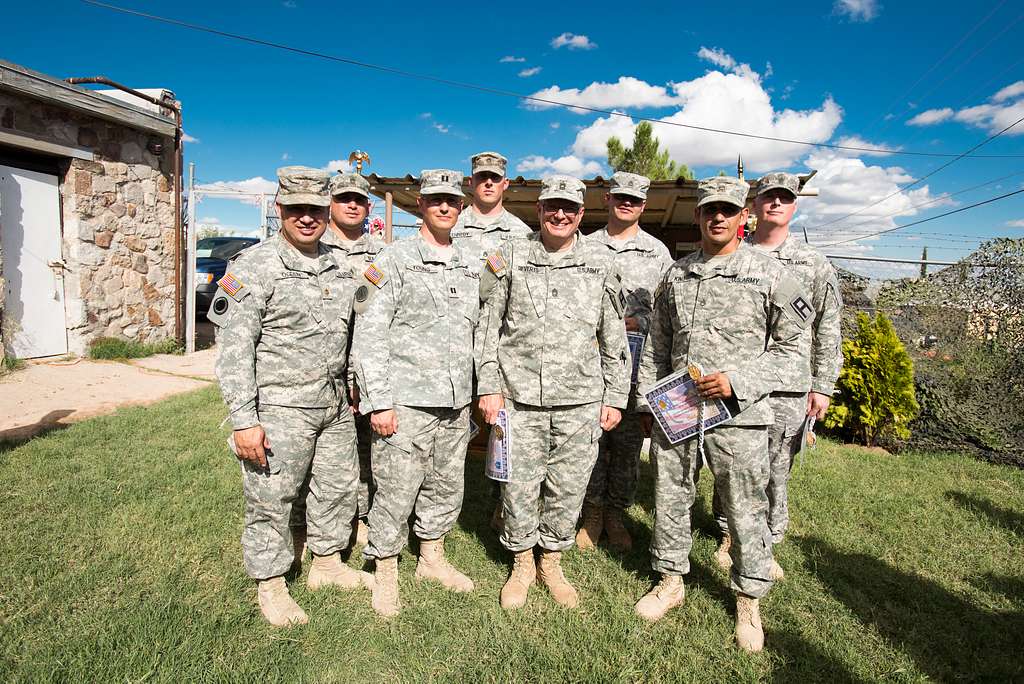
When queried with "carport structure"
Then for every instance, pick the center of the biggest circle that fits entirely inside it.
(668, 216)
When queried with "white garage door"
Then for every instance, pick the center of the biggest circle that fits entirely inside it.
(33, 316)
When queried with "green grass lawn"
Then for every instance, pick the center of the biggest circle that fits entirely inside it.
(121, 562)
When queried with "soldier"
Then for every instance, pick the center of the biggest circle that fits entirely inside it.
(641, 259)
(414, 332)
(551, 350)
(350, 205)
(811, 390)
(283, 352)
(737, 315)
(483, 227)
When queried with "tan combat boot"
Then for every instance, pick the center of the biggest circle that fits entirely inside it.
(665, 596)
(498, 519)
(385, 587)
(776, 572)
(749, 635)
(722, 556)
(590, 530)
(362, 532)
(550, 573)
(277, 605)
(618, 535)
(330, 571)
(433, 565)
(524, 574)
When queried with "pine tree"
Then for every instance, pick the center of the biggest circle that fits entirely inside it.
(644, 157)
(875, 396)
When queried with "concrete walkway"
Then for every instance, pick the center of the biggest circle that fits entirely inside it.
(46, 395)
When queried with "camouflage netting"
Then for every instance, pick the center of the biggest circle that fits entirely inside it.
(964, 328)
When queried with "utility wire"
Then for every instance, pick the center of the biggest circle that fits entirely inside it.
(945, 195)
(508, 93)
(931, 173)
(926, 220)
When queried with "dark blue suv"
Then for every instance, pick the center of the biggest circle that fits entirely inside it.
(212, 256)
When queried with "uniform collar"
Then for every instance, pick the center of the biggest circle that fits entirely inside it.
(474, 220)
(638, 242)
(726, 267)
(293, 260)
(541, 257)
(428, 255)
(787, 248)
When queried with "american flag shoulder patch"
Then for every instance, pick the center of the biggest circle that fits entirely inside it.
(230, 284)
(374, 274)
(496, 263)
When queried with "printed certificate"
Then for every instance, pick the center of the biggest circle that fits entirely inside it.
(675, 404)
(499, 449)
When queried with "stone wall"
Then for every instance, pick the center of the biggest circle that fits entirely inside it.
(118, 223)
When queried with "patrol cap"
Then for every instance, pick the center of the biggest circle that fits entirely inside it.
(562, 187)
(779, 179)
(489, 161)
(302, 185)
(441, 182)
(632, 184)
(722, 189)
(349, 182)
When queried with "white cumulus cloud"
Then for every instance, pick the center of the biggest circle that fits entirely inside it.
(727, 62)
(511, 59)
(626, 92)
(857, 10)
(339, 165)
(931, 117)
(1009, 92)
(573, 42)
(571, 165)
(732, 102)
(532, 71)
(185, 137)
(1017, 223)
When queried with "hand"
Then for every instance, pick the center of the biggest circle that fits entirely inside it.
(384, 423)
(610, 417)
(714, 386)
(251, 445)
(353, 399)
(632, 324)
(489, 405)
(646, 424)
(817, 404)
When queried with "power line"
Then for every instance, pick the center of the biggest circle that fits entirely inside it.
(931, 173)
(508, 93)
(926, 220)
(945, 195)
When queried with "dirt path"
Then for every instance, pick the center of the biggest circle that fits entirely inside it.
(47, 395)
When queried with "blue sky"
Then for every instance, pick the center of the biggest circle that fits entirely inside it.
(877, 74)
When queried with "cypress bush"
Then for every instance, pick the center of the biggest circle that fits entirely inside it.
(875, 393)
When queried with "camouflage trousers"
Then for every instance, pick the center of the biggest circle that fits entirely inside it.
(613, 480)
(553, 452)
(738, 457)
(421, 468)
(784, 440)
(311, 451)
(364, 436)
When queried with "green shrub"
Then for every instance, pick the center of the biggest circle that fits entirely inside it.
(875, 393)
(117, 348)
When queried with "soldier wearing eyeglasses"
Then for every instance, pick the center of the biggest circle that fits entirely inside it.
(551, 350)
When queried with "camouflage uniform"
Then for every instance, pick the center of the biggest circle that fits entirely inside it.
(823, 361)
(283, 352)
(359, 255)
(552, 341)
(482, 236)
(641, 261)
(413, 336)
(740, 314)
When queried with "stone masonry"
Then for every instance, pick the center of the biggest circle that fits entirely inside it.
(117, 223)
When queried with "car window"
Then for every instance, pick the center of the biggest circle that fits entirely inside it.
(221, 248)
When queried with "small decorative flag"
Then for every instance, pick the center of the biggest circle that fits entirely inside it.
(230, 284)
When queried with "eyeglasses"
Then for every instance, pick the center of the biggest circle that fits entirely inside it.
(569, 212)
(438, 200)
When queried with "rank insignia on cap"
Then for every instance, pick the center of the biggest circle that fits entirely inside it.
(230, 284)
(373, 274)
(496, 263)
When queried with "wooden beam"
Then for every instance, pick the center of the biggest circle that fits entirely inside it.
(35, 144)
(22, 81)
